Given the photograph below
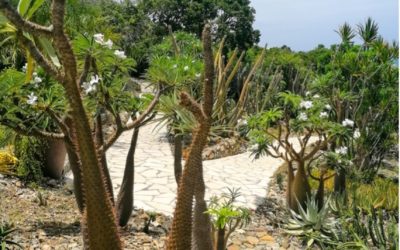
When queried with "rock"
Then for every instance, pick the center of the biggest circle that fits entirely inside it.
(233, 247)
(267, 238)
(52, 183)
(285, 244)
(252, 240)
(46, 247)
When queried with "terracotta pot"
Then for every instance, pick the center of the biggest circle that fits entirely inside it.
(54, 159)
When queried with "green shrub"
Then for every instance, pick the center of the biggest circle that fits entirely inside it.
(30, 152)
(382, 193)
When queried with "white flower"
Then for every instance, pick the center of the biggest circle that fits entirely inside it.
(316, 96)
(37, 79)
(328, 107)
(32, 99)
(306, 104)
(193, 61)
(323, 114)
(120, 54)
(308, 93)
(108, 44)
(342, 150)
(175, 66)
(198, 75)
(34, 74)
(99, 38)
(94, 80)
(24, 67)
(186, 68)
(348, 123)
(130, 120)
(242, 122)
(303, 116)
(356, 134)
(254, 147)
(88, 87)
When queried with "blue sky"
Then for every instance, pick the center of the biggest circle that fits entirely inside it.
(303, 24)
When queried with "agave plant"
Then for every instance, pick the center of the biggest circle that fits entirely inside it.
(312, 223)
(5, 242)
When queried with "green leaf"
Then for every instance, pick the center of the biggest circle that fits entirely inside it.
(310, 242)
(23, 7)
(46, 44)
(3, 19)
(36, 5)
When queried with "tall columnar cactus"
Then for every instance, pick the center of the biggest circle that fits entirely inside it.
(99, 222)
(192, 183)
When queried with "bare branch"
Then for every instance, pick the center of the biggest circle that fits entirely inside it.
(39, 57)
(187, 101)
(320, 144)
(140, 121)
(22, 24)
(59, 121)
(38, 133)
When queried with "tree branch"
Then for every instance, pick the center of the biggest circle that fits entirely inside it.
(21, 24)
(38, 133)
(49, 67)
(191, 105)
(140, 121)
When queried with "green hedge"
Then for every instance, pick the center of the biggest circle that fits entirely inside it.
(30, 152)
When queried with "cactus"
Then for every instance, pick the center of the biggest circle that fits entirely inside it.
(192, 183)
(99, 227)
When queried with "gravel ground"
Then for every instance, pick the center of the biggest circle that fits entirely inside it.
(47, 218)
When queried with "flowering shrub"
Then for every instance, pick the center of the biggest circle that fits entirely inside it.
(306, 119)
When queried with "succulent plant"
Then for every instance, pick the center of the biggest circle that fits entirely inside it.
(5, 231)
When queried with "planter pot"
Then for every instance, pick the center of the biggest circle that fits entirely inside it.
(54, 159)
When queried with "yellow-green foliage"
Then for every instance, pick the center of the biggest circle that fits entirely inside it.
(381, 193)
(329, 184)
(7, 162)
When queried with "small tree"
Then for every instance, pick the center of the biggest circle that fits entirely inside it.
(275, 131)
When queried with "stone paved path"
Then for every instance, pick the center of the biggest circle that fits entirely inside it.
(155, 187)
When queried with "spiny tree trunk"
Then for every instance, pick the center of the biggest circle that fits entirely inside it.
(300, 189)
(75, 166)
(202, 223)
(75, 163)
(180, 236)
(98, 134)
(124, 204)
(177, 157)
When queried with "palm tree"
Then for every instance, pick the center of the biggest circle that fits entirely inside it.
(346, 33)
(368, 31)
